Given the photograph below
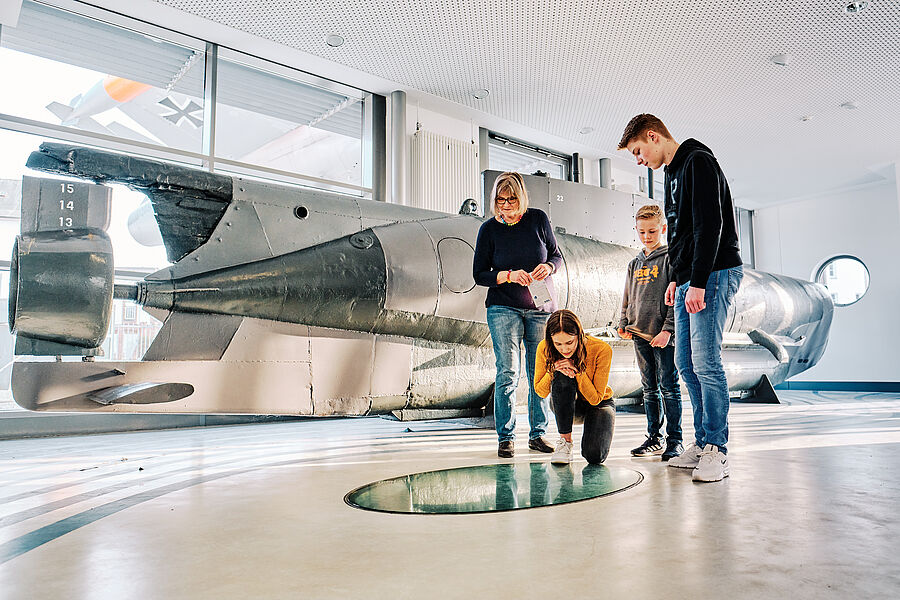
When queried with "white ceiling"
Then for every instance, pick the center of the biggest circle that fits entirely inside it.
(557, 66)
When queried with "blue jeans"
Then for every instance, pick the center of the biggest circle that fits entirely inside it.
(509, 328)
(698, 355)
(658, 375)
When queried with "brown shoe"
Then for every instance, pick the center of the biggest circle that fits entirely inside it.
(541, 445)
(506, 449)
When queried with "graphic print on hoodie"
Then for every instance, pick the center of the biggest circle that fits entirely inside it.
(644, 311)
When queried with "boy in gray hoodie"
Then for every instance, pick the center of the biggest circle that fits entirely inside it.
(650, 323)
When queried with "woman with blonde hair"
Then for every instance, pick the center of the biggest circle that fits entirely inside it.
(516, 248)
(573, 369)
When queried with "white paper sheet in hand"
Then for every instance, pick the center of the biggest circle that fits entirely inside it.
(540, 293)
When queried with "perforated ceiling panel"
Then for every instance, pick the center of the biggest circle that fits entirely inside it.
(702, 66)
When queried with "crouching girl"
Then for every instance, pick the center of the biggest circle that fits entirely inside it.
(573, 369)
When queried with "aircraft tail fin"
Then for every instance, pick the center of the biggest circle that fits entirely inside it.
(188, 203)
(61, 111)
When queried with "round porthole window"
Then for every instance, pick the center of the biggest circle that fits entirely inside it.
(845, 277)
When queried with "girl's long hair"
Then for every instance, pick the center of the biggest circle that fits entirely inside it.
(567, 322)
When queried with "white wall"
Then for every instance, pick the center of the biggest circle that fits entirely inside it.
(795, 239)
(441, 124)
(897, 181)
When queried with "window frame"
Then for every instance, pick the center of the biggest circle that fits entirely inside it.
(828, 263)
(545, 154)
(204, 160)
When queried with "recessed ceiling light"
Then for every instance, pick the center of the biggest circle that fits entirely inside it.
(850, 104)
(481, 93)
(585, 130)
(334, 40)
(853, 8)
(782, 60)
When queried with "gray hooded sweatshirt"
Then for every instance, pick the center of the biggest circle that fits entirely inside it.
(644, 310)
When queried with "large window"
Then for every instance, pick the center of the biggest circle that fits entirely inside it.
(505, 154)
(143, 90)
(275, 119)
(69, 70)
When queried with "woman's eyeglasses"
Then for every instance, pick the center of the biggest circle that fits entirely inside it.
(509, 201)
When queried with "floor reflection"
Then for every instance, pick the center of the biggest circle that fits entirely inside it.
(495, 487)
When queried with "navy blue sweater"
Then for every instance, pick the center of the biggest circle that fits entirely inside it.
(525, 245)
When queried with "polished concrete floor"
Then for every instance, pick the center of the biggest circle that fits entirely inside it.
(810, 511)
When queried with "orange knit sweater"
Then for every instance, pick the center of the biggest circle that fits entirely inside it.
(591, 381)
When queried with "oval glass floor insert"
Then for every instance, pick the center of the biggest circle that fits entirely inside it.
(489, 488)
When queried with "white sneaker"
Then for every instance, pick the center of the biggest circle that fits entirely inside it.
(563, 453)
(713, 465)
(688, 459)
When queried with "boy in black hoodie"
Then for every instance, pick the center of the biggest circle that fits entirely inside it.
(647, 320)
(706, 273)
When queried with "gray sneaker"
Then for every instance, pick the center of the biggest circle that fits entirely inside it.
(563, 453)
(713, 465)
(689, 459)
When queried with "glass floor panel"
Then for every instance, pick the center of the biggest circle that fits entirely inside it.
(490, 488)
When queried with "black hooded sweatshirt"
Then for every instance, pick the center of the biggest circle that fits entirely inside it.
(702, 235)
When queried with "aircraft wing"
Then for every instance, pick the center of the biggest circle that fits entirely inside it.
(62, 112)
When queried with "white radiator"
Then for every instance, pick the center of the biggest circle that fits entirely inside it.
(443, 172)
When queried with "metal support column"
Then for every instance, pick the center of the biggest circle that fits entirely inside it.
(605, 173)
(483, 149)
(376, 140)
(399, 147)
(209, 105)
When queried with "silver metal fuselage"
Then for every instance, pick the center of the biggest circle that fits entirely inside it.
(312, 303)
